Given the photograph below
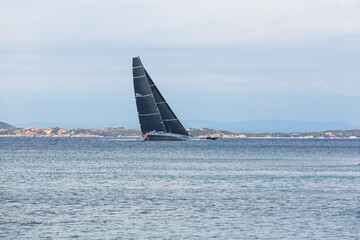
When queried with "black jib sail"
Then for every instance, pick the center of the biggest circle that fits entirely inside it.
(170, 121)
(154, 112)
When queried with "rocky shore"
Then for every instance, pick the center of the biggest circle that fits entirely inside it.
(7, 130)
(60, 132)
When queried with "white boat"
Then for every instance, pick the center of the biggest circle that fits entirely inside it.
(157, 121)
(158, 136)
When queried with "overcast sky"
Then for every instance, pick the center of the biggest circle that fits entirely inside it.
(69, 62)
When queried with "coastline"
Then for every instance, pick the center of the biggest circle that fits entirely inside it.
(197, 133)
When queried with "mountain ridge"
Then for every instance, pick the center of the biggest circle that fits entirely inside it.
(271, 125)
(4, 125)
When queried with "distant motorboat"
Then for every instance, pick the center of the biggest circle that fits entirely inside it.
(157, 121)
(210, 138)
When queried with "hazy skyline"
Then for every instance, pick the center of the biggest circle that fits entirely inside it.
(69, 62)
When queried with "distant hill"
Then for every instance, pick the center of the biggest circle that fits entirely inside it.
(6, 126)
(270, 125)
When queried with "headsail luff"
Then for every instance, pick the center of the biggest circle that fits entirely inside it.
(149, 114)
(170, 121)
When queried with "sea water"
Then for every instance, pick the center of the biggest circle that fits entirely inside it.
(96, 188)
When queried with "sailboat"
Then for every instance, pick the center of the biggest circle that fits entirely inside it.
(157, 121)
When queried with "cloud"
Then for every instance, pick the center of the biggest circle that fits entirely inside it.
(42, 72)
(330, 67)
(346, 85)
(174, 23)
(210, 51)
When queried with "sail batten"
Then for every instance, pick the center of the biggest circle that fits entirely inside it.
(149, 114)
(140, 76)
(141, 96)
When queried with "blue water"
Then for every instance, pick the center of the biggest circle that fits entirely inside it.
(93, 188)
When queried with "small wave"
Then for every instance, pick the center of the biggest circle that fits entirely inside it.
(121, 139)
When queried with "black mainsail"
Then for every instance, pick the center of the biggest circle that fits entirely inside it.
(149, 115)
(155, 115)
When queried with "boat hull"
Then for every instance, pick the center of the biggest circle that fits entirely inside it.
(165, 137)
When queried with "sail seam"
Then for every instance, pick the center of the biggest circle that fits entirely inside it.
(137, 67)
(167, 120)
